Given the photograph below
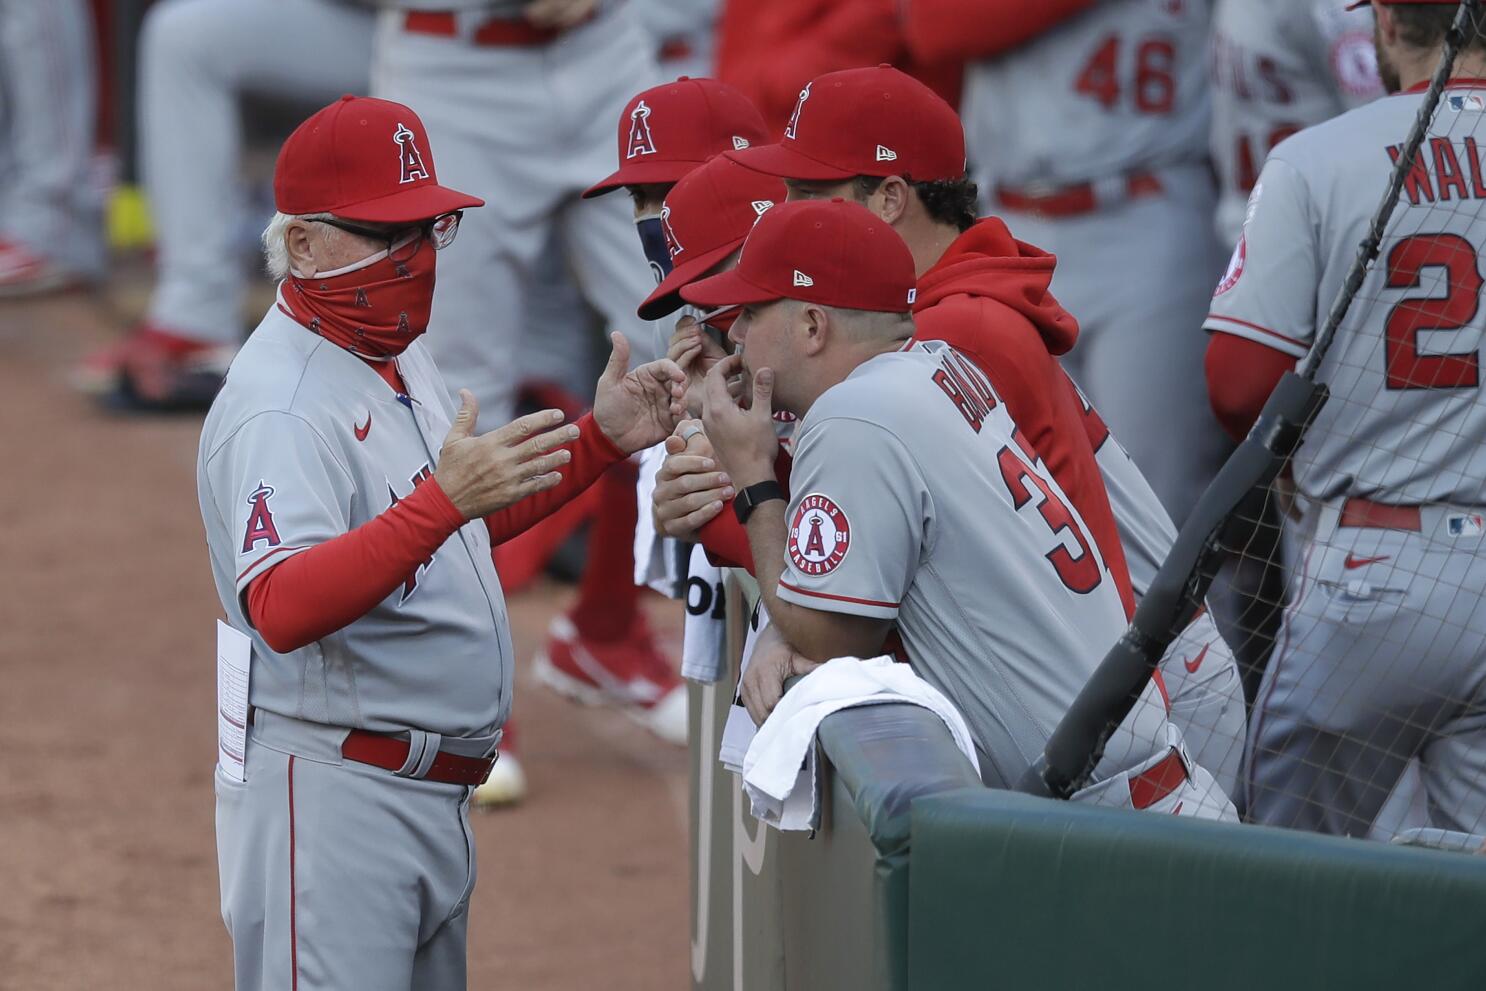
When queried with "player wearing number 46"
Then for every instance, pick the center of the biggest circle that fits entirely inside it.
(350, 513)
(1380, 657)
(1118, 186)
(915, 503)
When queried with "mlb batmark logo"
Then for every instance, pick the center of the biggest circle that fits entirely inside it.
(640, 140)
(1468, 525)
(819, 536)
(409, 157)
(260, 519)
(794, 118)
(1467, 102)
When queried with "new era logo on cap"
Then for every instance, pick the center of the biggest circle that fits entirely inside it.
(759, 206)
(739, 143)
(886, 154)
(801, 279)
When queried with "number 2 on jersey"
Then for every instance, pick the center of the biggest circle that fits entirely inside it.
(1153, 88)
(1405, 367)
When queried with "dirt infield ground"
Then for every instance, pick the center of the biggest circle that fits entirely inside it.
(107, 859)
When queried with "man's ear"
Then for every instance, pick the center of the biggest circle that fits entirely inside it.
(890, 201)
(814, 327)
(301, 249)
(1387, 26)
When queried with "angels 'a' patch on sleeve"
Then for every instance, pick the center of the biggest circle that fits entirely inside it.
(819, 536)
(260, 526)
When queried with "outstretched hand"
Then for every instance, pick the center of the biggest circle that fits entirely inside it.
(741, 429)
(483, 474)
(637, 409)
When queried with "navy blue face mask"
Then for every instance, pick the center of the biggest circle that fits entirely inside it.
(653, 240)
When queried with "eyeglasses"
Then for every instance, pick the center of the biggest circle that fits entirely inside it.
(403, 242)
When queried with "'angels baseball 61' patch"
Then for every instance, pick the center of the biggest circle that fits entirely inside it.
(819, 536)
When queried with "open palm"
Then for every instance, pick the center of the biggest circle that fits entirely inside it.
(637, 409)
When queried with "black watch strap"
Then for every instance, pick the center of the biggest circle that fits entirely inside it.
(750, 498)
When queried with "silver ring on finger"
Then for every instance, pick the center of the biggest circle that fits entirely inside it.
(689, 431)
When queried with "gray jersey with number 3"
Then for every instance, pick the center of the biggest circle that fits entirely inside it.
(1405, 421)
(914, 501)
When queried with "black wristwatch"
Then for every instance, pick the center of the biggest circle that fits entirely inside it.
(750, 498)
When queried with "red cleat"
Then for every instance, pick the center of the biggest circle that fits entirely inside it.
(630, 673)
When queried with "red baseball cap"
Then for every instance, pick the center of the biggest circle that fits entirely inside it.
(363, 159)
(706, 216)
(668, 130)
(834, 253)
(875, 121)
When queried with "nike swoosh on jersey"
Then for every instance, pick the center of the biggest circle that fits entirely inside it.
(1362, 562)
(1196, 662)
(362, 429)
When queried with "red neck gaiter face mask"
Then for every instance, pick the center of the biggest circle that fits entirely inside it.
(374, 308)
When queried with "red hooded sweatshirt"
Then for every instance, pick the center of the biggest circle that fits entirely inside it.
(988, 296)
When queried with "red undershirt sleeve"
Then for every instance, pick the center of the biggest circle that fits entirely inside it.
(593, 454)
(725, 539)
(939, 30)
(316, 592)
(1240, 376)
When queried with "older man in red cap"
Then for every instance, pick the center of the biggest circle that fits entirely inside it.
(350, 513)
(915, 504)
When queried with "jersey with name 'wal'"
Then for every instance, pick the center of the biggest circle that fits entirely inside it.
(1280, 66)
(304, 443)
(1126, 84)
(1405, 420)
(915, 499)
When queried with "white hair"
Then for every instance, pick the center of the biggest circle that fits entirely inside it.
(275, 248)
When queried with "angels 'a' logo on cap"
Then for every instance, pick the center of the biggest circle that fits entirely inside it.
(759, 206)
(739, 143)
(640, 141)
(801, 279)
(672, 245)
(794, 118)
(819, 536)
(410, 158)
(886, 154)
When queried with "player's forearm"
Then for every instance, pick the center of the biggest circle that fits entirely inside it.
(593, 454)
(314, 593)
(813, 634)
(938, 30)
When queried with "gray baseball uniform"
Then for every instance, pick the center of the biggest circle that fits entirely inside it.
(1121, 191)
(527, 127)
(951, 529)
(1201, 672)
(1280, 66)
(50, 201)
(198, 58)
(304, 443)
(1381, 656)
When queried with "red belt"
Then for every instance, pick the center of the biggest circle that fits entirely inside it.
(512, 32)
(390, 753)
(1366, 513)
(1071, 201)
(1155, 783)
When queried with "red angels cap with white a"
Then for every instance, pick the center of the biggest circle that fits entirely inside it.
(877, 121)
(668, 130)
(834, 253)
(363, 159)
(706, 216)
